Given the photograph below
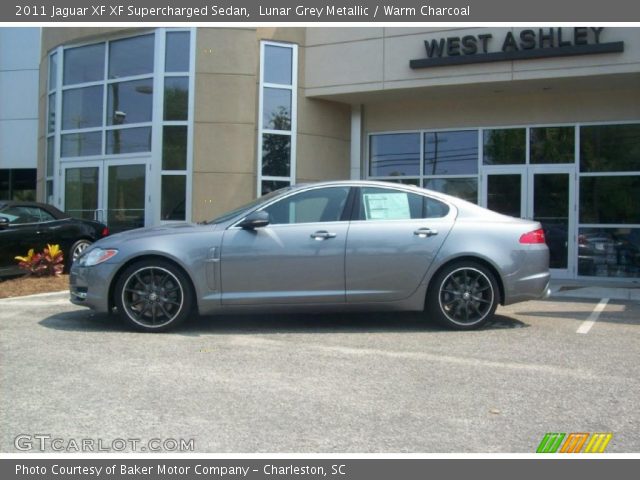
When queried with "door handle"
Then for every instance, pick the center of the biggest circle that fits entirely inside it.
(322, 235)
(425, 232)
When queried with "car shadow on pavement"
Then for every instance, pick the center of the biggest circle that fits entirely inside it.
(87, 321)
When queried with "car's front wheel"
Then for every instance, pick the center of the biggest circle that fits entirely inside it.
(153, 296)
(463, 296)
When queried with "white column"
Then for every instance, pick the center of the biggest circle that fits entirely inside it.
(356, 142)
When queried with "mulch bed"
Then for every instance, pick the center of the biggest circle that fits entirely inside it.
(17, 287)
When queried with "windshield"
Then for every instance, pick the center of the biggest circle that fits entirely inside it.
(248, 206)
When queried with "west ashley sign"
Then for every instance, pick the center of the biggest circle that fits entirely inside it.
(524, 45)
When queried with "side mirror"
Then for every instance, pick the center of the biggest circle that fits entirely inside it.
(255, 220)
(4, 222)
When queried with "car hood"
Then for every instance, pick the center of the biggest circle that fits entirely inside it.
(159, 231)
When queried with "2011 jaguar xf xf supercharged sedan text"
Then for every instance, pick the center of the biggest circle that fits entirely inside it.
(334, 246)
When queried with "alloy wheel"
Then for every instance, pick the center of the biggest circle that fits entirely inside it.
(466, 296)
(152, 297)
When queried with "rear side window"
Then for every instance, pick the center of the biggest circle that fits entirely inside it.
(386, 204)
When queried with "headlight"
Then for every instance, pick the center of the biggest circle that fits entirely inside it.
(97, 256)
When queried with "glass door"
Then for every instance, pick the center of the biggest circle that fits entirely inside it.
(113, 192)
(82, 190)
(542, 193)
(124, 188)
(550, 194)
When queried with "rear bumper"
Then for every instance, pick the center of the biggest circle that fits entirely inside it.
(534, 287)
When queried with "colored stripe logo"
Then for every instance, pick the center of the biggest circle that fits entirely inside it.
(574, 442)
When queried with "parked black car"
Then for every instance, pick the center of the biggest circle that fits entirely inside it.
(26, 225)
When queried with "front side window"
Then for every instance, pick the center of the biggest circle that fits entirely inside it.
(386, 204)
(312, 206)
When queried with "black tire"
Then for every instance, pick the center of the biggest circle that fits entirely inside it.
(153, 296)
(77, 248)
(463, 296)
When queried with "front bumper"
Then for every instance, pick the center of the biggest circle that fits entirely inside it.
(89, 286)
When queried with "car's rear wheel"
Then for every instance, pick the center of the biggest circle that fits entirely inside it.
(153, 296)
(463, 296)
(78, 247)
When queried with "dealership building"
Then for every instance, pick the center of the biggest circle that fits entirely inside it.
(157, 125)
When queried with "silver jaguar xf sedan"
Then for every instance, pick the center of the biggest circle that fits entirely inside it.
(333, 246)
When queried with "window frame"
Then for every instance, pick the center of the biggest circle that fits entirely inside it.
(292, 133)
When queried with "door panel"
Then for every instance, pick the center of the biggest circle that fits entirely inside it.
(391, 247)
(284, 264)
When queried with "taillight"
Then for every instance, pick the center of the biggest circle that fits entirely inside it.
(537, 236)
(105, 231)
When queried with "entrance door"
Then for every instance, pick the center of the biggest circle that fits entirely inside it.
(110, 191)
(542, 193)
(550, 190)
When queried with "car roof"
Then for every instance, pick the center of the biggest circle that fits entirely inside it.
(18, 203)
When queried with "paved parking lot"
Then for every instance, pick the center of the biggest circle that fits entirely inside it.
(322, 383)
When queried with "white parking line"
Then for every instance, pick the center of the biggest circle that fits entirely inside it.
(593, 318)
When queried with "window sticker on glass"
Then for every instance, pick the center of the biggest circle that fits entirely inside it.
(386, 206)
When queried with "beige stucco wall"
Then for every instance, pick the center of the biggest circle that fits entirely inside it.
(377, 59)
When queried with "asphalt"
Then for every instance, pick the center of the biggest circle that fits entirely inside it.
(354, 383)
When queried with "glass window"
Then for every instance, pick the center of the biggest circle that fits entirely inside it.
(276, 109)
(176, 98)
(319, 205)
(610, 148)
(503, 194)
(394, 154)
(174, 194)
(130, 102)
(552, 145)
(610, 199)
(131, 56)
(51, 124)
(125, 207)
(385, 204)
(83, 64)
(81, 144)
(504, 146)
(44, 215)
(82, 108)
(5, 184)
(451, 153)
(81, 192)
(609, 252)
(278, 64)
(129, 140)
(269, 186)
(464, 188)
(174, 148)
(53, 71)
(177, 52)
(24, 184)
(50, 157)
(276, 155)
